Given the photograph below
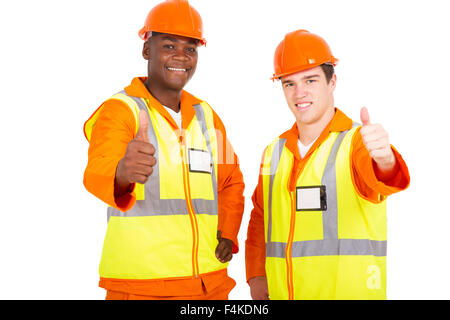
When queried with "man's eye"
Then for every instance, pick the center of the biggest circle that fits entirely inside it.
(169, 46)
(191, 50)
(309, 81)
(288, 85)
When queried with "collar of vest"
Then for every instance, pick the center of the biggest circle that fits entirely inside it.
(138, 89)
(339, 123)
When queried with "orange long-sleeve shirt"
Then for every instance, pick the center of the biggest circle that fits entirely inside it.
(113, 130)
(365, 182)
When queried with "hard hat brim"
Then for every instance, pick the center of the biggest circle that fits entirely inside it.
(298, 69)
(143, 32)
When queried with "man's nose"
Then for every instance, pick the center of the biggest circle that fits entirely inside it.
(180, 54)
(300, 91)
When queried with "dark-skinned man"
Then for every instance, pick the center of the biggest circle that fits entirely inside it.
(160, 158)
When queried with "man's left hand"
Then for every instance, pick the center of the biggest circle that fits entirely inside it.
(376, 140)
(224, 250)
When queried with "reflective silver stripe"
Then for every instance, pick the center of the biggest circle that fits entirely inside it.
(331, 247)
(330, 216)
(200, 114)
(153, 205)
(274, 162)
(164, 207)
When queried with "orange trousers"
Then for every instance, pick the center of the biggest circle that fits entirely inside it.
(219, 293)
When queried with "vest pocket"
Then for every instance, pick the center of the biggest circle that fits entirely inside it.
(308, 226)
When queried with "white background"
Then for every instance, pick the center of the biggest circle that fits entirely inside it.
(61, 59)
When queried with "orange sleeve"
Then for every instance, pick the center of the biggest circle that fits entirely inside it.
(364, 178)
(111, 134)
(255, 248)
(230, 187)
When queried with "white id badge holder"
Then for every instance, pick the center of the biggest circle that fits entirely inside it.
(312, 198)
(200, 161)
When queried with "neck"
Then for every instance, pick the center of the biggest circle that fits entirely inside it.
(167, 97)
(307, 132)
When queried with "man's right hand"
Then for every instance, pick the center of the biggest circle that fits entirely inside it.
(258, 288)
(137, 164)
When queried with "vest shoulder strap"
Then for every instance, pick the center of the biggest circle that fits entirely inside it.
(134, 103)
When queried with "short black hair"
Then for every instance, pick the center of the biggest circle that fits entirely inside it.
(328, 69)
(155, 33)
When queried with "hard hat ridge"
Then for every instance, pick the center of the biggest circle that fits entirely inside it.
(301, 50)
(174, 17)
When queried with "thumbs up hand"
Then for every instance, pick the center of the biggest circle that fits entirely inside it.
(376, 140)
(137, 164)
(142, 134)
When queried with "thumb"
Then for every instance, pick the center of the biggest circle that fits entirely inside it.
(142, 133)
(365, 119)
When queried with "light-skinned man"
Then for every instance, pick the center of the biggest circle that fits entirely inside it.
(318, 226)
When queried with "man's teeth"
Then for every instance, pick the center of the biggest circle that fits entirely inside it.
(176, 69)
(303, 105)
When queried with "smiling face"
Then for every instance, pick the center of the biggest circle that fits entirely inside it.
(310, 96)
(172, 60)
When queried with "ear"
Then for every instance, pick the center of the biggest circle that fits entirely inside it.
(146, 50)
(333, 81)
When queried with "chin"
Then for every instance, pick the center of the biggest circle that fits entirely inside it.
(177, 84)
(304, 120)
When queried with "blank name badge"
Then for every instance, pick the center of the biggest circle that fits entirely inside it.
(200, 161)
(313, 198)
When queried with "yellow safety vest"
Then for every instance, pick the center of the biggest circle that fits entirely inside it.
(323, 240)
(171, 230)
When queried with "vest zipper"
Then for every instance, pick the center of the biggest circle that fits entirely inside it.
(187, 193)
(290, 281)
(288, 254)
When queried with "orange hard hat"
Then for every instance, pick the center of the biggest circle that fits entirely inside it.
(301, 50)
(174, 17)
